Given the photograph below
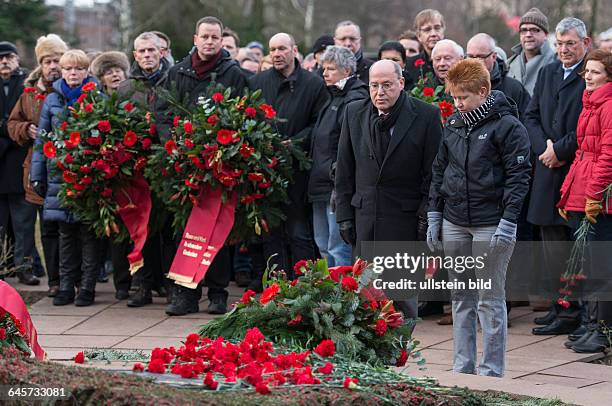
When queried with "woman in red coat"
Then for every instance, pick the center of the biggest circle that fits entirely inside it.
(582, 195)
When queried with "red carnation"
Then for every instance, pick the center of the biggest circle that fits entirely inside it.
(75, 138)
(175, 122)
(146, 143)
(255, 176)
(563, 303)
(189, 144)
(68, 159)
(104, 126)
(273, 162)
(428, 91)
(94, 140)
(130, 138)
(269, 293)
(153, 129)
(128, 107)
(138, 367)
(79, 358)
(401, 360)
(85, 169)
(89, 86)
(300, 267)
(210, 382)
(49, 150)
(212, 120)
(188, 127)
(446, 109)
(246, 151)
(264, 185)
(419, 62)
(381, 327)
(86, 180)
(29, 90)
(170, 147)
(295, 321)
(64, 125)
(349, 283)
(246, 298)
(107, 192)
(217, 97)
(40, 97)
(350, 383)
(326, 348)
(250, 112)
(327, 369)
(224, 136)
(262, 388)
(2, 334)
(69, 177)
(156, 366)
(268, 111)
(81, 98)
(89, 107)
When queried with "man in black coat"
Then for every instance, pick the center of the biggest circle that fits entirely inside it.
(297, 96)
(13, 204)
(387, 146)
(348, 35)
(429, 27)
(482, 46)
(188, 80)
(551, 121)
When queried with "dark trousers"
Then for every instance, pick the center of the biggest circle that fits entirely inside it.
(151, 275)
(80, 254)
(22, 215)
(121, 268)
(49, 234)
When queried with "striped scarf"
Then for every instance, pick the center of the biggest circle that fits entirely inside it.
(471, 118)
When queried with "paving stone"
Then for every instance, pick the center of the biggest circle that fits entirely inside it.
(72, 341)
(66, 354)
(119, 322)
(148, 343)
(173, 327)
(45, 306)
(548, 350)
(582, 370)
(560, 380)
(514, 341)
(55, 324)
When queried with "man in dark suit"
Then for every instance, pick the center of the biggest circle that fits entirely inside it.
(551, 120)
(387, 146)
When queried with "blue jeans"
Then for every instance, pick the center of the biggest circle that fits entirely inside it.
(471, 305)
(23, 218)
(327, 236)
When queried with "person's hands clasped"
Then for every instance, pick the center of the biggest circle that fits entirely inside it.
(549, 158)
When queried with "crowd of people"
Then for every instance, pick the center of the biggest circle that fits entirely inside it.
(526, 156)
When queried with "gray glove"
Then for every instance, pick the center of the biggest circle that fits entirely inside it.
(434, 220)
(504, 236)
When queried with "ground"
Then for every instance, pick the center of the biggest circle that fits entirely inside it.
(537, 366)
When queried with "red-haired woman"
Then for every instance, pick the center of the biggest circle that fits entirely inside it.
(480, 178)
(582, 196)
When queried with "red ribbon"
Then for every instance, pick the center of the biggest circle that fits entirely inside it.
(134, 203)
(207, 229)
(12, 303)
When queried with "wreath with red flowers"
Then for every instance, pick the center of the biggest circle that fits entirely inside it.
(101, 145)
(12, 333)
(227, 143)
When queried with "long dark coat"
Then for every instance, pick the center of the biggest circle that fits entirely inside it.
(552, 114)
(385, 201)
(11, 153)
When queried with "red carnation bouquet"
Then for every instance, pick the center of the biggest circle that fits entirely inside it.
(426, 90)
(100, 152)
(326, 304)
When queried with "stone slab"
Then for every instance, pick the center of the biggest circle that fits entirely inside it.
(75, 341)
(46, 324)
(173, 327)
(115, 322)
(581, 370)
(148, 343)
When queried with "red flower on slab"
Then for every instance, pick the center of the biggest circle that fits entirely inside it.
(401, 360)
(350, 383)
(79, 358)
(326, 348)
(138, 367)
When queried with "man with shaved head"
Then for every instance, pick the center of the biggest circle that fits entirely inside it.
(482, 46)
(387, 145)
(297, 96)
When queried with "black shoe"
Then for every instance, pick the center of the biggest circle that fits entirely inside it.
(217, 305)
(161, 291)
(122, 294)
(142, 297)
(597, 342)
(184, 301)
(546, 319)
(53, 291)
(579, 332)
(242, 279)
(430, 308)
(582, 339)
(85, 298)
(28, 278)
(557, 327)
(63, 298)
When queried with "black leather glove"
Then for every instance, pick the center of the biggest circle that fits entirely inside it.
(347, 232)
(422, 229)
(40, 188)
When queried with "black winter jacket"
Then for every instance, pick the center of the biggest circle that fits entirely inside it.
(183, 83)
(512, 88)
(326, 134)
(11, 153)
(363, 68)
(481, 176)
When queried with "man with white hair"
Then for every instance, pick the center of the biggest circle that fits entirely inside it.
(482, 46)
(605, 40)
(444, 55)
(386, 149)
(551, 120)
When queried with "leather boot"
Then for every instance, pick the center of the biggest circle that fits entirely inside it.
(184, 301)
(557, 327)
(85, 298)
(140, 298)
(597, 342)
(218, 304)
(63, 297)
(579, 332)
(546, 319)
(580, 340)
(27, 278)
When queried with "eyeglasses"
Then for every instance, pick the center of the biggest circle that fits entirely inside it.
(386, 86)
(480, 56)
(9, 57)
(351, 39)
(533, 30)
(430, 28)
(568, 44)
